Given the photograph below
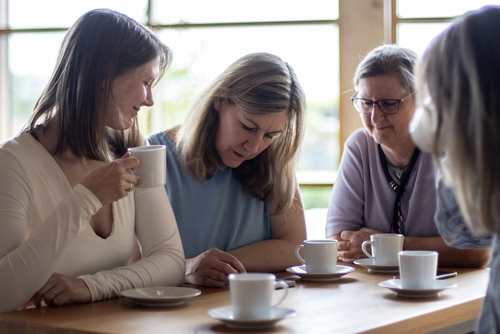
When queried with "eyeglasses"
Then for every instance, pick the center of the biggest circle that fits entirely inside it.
(387, 106)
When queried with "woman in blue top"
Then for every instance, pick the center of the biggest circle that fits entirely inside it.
(231, 169)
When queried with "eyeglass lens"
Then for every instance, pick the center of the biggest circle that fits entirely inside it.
(389, 106)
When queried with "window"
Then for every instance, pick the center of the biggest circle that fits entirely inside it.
(323, 40)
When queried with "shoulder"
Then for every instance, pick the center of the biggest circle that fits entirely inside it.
(18, 145)
(359, 137)
(163, 137)
(360, 143)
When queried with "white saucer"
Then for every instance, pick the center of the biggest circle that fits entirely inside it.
(226, 315)
(161, 296)
(395, 286)
(377, 268)
(301, 271)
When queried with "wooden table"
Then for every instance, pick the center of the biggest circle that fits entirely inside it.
(353, 304)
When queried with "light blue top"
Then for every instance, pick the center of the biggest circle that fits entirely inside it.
(455, 232)
(215, 213)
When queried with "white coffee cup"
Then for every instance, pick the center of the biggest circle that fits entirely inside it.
(152, 170)
(385, 248)
(320, 256)
(417, 269)
(252, 295)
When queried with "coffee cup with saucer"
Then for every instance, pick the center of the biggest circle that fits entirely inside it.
(418, 275)
(384, 252)
(252, 297)
(319, 261)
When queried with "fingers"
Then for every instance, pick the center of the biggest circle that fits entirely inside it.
(128, 162)
(343, 245)
(61, 290)
(212, 268)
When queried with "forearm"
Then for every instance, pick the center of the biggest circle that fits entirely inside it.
(268, 255)
(449, 256)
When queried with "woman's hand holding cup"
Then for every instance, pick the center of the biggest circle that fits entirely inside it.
(114, 180)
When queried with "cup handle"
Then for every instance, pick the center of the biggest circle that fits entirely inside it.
(281, 284)
(363, 247)
(297, 254)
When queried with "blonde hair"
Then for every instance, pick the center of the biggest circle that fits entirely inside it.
(259, 83)
(459, 71)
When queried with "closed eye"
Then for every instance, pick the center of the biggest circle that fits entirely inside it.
(246, 128)
(389, 103)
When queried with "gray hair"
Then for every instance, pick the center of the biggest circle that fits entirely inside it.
(388, 59)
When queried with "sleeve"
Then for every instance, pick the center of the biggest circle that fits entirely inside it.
(451, 223)
(28, 259)
(163, 262)
(346, 206)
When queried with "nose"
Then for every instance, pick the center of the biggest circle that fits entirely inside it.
(376, 113)
(252, 144)
(149, 97)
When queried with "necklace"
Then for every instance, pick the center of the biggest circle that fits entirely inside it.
(400, 170)
(397, 224)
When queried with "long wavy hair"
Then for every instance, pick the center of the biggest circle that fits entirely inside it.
(101, 45)
(259, 83)
(459, 72)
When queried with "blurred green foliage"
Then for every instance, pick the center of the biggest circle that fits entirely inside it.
(315, 196)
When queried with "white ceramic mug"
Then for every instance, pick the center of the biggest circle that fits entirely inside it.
(152, 170)
(417, 269)
(320, 256)
(385, 248)
(252, 295)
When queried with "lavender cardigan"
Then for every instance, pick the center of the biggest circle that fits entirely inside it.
(362, 197)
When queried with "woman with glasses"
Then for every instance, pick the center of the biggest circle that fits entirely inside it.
(385, 183)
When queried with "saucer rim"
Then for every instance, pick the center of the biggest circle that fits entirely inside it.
(321, 276)
(164, 300)
(390, 284)
(376, 267)
(248, 323)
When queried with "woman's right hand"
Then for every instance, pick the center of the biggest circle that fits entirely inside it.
(212, 268)
(114, 180)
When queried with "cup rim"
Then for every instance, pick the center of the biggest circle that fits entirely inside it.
(417, 253)
(319, 241)
(386, 235)
(251, 277)
(146, 148)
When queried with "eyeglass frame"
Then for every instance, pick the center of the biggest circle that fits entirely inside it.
(377, 103)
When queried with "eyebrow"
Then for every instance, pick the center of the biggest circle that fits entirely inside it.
(258, 127)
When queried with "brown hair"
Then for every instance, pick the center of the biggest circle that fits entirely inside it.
(101, 45)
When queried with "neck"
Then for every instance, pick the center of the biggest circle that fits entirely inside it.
(400, 156)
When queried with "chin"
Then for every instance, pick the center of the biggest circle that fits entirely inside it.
(232, 163)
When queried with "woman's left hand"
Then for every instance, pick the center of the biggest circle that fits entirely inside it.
(350, 244)
(62, 290)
